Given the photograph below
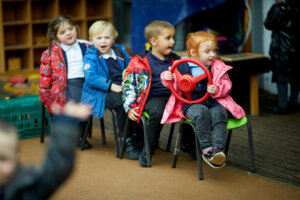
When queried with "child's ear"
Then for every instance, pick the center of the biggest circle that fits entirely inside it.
(153, 41)
(193, 52)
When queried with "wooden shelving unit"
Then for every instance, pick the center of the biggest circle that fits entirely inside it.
(23, 26)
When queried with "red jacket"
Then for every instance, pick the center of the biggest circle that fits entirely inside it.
(53, 80)
(137, 82)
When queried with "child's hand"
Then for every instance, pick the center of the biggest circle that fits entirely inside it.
(211, 89)
(116, 88)
(80, 111)
(132, 114)
(168, 76)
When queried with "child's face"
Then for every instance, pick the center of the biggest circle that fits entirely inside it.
(206, 52)
(66, 33)
(8, 157)
(163, 44)
(103, 41)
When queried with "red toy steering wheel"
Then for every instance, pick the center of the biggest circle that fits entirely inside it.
(187, 83)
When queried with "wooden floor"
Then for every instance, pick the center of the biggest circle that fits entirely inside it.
(276, 141)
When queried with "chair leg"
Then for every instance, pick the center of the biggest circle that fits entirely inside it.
(124, 138)
(146, 141)
(198, 154)
(177, 147)
(115, 131)
(88, 127)
(102, 131)
(42, 133)
(90, 132)
(228, 141)
(170, 137)
(250, 143)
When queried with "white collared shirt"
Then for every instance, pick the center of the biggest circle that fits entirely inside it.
(74, 59)
(113, 55)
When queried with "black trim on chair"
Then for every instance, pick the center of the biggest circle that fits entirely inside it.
(146, 141)
(89, 128)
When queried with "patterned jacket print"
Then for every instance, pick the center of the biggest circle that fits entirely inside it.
(137, 82)
(223, 83)
(97, 78)
(53, 80)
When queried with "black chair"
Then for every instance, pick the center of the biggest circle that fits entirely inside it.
(45, 121)
(88, 130)
(232, 124)
(144, 118)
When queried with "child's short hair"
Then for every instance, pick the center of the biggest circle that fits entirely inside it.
(193, 40)
(9, 130)
(154, 28)
(99, 26)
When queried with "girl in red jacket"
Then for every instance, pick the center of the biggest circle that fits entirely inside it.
(212, 113)
(61, 67)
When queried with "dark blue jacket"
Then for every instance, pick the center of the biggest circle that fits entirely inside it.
(97, 78)
(35, 183)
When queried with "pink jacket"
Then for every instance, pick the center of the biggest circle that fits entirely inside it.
(173, 109)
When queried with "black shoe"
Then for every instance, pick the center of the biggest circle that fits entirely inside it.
(277, 110)
(208, 156)
(292, 109)
(87, 145)
(143, 158)
(132, 151)
(218, 157)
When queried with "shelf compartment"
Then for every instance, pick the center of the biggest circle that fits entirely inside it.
(42, 10)
(39, 34)
(72, 8)
(16, 36)
(15, 12)
(37, 57)
(82, 29)
(24, 55)
(96, 9)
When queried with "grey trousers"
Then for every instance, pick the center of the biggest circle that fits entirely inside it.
(207, 119)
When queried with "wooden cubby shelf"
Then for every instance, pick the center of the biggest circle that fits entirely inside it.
(24, 23)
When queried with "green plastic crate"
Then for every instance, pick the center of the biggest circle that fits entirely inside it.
(26, 114)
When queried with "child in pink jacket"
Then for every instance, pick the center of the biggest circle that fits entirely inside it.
(212, 113)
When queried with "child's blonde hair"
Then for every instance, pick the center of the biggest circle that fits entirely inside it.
(193, 40)
(154, 28)
(99, 26)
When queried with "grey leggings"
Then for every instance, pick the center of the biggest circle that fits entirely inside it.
(207, 119)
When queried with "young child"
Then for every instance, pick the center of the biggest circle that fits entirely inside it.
(104, 63)
(61, 67)
(142, 88)
(212, 113)
(29, 182)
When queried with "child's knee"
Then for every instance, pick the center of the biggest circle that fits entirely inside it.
(219, 115)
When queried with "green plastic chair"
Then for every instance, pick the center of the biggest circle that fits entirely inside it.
(232, 124)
